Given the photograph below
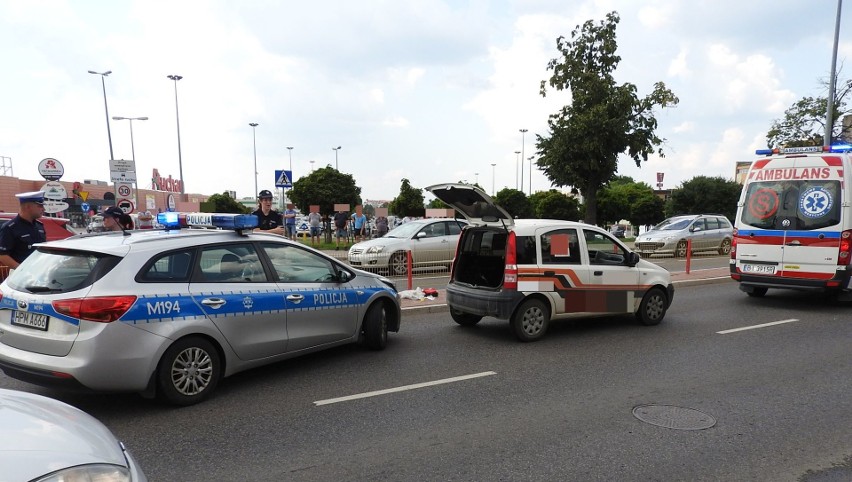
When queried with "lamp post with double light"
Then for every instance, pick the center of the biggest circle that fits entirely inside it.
(335, 149)
(254, 147)
(175, 78)
(106, 108)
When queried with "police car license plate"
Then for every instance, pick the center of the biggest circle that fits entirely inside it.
(30, 320)
(759, 268)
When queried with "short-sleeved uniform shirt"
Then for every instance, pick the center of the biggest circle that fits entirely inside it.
(18, 236)
(268, 221)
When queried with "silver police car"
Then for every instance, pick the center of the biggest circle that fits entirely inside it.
(169, 313)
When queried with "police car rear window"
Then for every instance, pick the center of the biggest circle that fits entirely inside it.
(61, 271)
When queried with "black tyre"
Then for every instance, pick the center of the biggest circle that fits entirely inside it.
(530, 320)
(653, 307)
(725, 248)
(757, 292)
(398, 265)
(376, 327)
(188, 372)
(464, 319)
(680, 250)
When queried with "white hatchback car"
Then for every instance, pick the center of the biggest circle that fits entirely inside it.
(172, 312)
(529, 271)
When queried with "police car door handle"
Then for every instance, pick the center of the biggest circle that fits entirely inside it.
(295, 298)
(213, 302)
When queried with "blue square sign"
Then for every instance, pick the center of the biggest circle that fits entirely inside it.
(283, 179)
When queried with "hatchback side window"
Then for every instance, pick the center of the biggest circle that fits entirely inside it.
(712, 223)
(296, 265)
(237, 263)
(560, 247)
(169, 267)
(603, 250)
(454, 228)
(698, 225)
(723, 223)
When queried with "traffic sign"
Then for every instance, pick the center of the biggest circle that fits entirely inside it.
(54, 190)
(122, 176)
(123, 190)
(122, 165)
(51, 206)
(125, 205)
(283, 179)
(84, 207)
(51, 169)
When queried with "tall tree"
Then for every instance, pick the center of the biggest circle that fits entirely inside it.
(325, 187)
(409, 202)
(603, 119)
(619, 198)
(804, 121)
(223, 203)
(514, 202)
(552, 204)
(703, 194)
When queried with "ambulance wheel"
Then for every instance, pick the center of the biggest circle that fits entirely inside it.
(464, 319)
(680, 250)
(725, 248)
(653, 307)
(398, 265)
(757, 292)
(530, 320)
(188, 372)
(376, 327)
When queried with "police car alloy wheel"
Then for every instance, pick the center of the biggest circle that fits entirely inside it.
(189, 371)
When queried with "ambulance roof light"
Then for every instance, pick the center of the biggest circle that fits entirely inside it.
(837, 148)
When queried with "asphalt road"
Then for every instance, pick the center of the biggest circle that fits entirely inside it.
(768, 404)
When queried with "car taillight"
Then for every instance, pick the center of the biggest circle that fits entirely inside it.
(104, 309)
(734, 244)
(845, 254)
(510, 273)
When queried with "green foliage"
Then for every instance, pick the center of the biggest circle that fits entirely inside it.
(409, 202)
(620, 198)
(223, 203)
(804, 121)
(703, 194)
(325, 187)
(603, 120)
(514, 202)
(553, 204)
(648, 211)
(437, 204)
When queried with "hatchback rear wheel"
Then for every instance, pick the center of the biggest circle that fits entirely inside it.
(530, 320)
(189, 371)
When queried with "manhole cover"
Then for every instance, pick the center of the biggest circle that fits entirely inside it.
(677, 418)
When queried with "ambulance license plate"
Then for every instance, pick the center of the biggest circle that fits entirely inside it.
(759, 268)
(30, 320)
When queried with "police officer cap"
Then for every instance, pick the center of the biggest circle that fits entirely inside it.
(114, 211)
(31, 197)
(266, 193)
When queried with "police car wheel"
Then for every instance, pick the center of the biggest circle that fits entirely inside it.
(398, 264)
(464, 319)
(188, 372)
(653, 307)
(530, 320)
(725, 248)
(376, 327)
(680, 250)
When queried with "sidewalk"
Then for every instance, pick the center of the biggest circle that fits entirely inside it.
(679, 278)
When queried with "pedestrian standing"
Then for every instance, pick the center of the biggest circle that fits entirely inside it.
(341, 218)
(359, 220)
(269, 220)
(381, 225)
(18, 236)
(314, 220)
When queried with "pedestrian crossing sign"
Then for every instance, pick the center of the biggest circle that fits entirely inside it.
(283, 179)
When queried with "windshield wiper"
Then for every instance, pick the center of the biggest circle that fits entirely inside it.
(42, 289)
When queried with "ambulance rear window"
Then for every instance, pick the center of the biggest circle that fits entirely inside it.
(792, 205)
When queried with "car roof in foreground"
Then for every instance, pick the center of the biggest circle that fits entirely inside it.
(39, 435)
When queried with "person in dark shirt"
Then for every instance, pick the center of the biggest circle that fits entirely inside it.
(18, 236)
(341, 220)
(269, 220)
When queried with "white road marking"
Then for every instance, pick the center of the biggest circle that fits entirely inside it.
(725, 332)
(402, 389)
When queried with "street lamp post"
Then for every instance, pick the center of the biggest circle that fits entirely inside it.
(517, 163)
(829, 122)
(103, 85)
(530, 159)
(290, 152)
(477, 177)
(523, 132)
(175, 78)
(133, 150)
(493, 165)
(312, 166)
(254, 146)
(335, 149)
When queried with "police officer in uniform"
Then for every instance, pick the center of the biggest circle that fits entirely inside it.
(18, 236)
(268, 219)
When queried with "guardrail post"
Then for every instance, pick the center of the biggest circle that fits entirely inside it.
(409, 270)
(688, 254)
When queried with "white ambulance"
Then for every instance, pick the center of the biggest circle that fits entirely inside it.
(794, 222)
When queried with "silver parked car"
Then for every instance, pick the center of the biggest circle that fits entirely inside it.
(432, 242)
(172, 312)
(50, 441)
(707, 232)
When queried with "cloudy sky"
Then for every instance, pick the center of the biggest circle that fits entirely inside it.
(429, 90)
